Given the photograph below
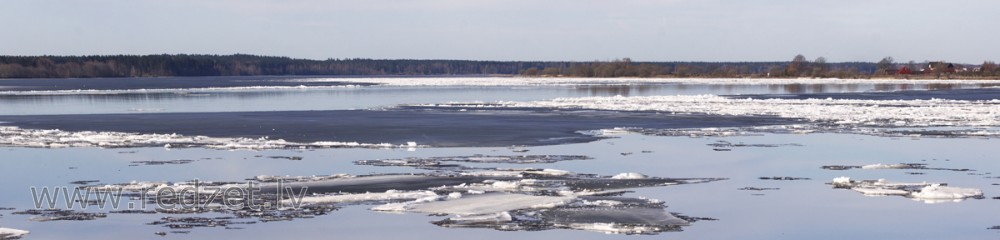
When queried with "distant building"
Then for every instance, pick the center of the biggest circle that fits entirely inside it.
(941, 67)
(904, 70)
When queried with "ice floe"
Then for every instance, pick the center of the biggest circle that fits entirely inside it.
(507, 199)
(367, 197)
(185, 91)
(922, 191)
(881, 166)
(528, 81)
(886, 113)
(447, 164)
(54, 138)
(937, 117)
(630, 175)
(613, 215)
(10, 233)
(557, 199)
(490, 204)
(45, 215)
(936, 191)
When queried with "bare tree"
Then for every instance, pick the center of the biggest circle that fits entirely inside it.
(798, 66)
(820, 67)
(884, 66)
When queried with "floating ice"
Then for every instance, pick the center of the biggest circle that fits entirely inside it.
(885, 166)
(184, 91)
(443, 164)
(629, 175)
(563, 200)
(54, 138)
(45, 215)
(485, 197)
(490, 203)
(615, 215)
(927, 192)
(937, 191)
(527, 81)
(365, 197)
(727, 144)
(843, 181)
(10, 233)
(878, 166)
(134, 186)
(881, 113)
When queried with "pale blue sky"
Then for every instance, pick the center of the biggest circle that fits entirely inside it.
(582, 30)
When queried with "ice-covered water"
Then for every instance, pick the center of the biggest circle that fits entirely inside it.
(802, 205)
(264, 96)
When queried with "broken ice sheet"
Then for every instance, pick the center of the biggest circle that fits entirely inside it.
(45, 215)
(440, 163)
(532, 199)
(910, 166)
(923, 191)
(860, 116)
(480, 197)
(55, 138)
(161, 162)
(727, 144)
(614, 215)
(10, 233)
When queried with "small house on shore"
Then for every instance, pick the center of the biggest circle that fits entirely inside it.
(941, 67)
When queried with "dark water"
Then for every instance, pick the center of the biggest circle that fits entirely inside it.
(427, 127)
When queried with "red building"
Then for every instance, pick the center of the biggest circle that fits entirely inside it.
(904, 70)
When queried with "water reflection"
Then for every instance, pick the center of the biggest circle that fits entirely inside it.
(615, 90)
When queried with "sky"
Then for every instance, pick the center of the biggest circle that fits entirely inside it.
(524, 30)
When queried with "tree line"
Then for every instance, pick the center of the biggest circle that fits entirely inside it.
(252, 65)
(239, 65)
(627, 68)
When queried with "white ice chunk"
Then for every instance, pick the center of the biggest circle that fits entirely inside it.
(885, 166)
(630, 175)
(496, 217)
(361, 197)
(490, 203)
(10, 233)
(841, 180)
(880, 191)
(944, 192)
(54, 138)
(614, 228)
(134, 186)
(506, 184)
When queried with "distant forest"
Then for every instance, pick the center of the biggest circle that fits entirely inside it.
(251, 65)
